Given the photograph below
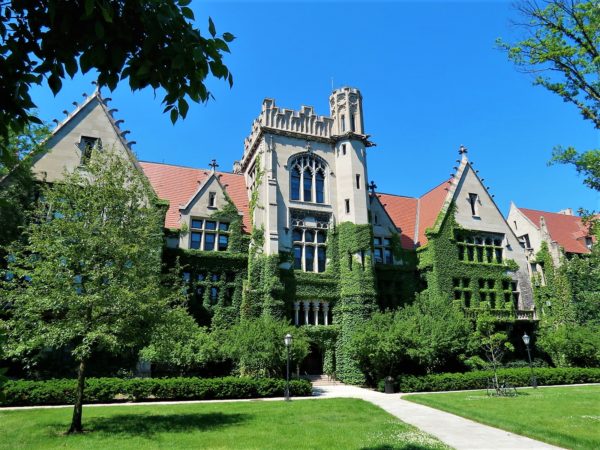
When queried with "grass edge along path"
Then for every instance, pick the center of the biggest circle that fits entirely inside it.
(566, 416)
(326, 423)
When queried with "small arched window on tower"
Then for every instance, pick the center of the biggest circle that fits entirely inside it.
(307, 178)
(352, 123)
(343, 123)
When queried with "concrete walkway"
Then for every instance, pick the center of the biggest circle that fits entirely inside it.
(457, 432)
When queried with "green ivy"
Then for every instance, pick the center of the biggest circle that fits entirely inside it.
(441, 267)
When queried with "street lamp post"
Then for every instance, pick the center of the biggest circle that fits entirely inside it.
(288, 342)
(526, 340)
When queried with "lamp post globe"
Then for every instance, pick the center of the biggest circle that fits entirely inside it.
(526, 339)
(287, 340)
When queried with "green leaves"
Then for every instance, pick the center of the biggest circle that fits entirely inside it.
(150, 43)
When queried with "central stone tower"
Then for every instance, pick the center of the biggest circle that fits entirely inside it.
(350, 143)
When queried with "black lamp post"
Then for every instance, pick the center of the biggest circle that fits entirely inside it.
(288, 342)
(526, 340)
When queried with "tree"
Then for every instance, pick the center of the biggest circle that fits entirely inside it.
(2, 371)
(149, 43)
(562, 47)
(256, 346)
(425, 336)
(87, 275)
(493, 342)
(180, 343)
(18, 190)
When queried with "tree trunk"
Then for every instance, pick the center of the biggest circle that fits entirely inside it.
(76, 426)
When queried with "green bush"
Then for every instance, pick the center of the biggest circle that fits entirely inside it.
(104, 390)
(480, 379)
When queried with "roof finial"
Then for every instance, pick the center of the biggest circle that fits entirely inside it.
(308, 146)
(213, 165)
(372, 187)
(462, 150)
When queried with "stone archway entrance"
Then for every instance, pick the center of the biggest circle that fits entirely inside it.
(313, 363)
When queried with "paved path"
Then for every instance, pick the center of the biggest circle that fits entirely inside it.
(460, 433)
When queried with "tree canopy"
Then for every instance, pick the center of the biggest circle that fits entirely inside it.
(148, 42)
(561, 47)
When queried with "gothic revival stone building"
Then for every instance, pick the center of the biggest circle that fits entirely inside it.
(296, 230)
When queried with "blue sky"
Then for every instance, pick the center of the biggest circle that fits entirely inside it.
(431, 78)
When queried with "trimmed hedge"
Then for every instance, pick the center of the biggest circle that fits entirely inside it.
(106, 390)
(479, 379)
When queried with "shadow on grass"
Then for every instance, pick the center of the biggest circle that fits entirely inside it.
(147, 425)
(397, 447)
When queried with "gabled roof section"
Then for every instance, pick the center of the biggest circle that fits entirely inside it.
(403, 212)
(430, 206)
(414, 215)
(567, 230)
(179, 185)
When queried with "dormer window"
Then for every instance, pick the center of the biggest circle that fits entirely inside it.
(588, 242)
(473, 202)
(87, 145)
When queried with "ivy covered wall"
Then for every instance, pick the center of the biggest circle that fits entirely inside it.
(481, 284)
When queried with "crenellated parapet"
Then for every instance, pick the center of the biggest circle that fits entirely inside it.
(303, 124)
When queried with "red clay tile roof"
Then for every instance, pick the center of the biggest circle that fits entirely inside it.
(568, 231)
(430, 205)
(404, 211)
(177, 184)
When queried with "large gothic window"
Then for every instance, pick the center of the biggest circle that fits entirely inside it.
(308, 178)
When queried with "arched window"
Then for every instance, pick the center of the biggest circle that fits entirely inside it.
(307, 178)
(296, 183)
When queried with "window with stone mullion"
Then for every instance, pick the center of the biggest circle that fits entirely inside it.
(309, 250)
(209, 235)
(308, 179)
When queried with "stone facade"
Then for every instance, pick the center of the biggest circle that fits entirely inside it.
(300, 177)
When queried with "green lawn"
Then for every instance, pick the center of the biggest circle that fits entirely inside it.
(565, 416)
(300, 424)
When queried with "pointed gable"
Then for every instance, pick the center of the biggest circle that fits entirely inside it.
(567, 230)
(90, 120)
(179, 185)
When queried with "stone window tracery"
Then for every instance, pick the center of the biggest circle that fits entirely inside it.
(307, 176)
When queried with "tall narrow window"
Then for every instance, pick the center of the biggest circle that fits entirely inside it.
(309, 259)
(321, 257)
(320, 187)
(344, 149)
(296, 183)
(307, 186)
(357, 181)
(352, 124)
(297, 257)
(212, 196)
(473, 202)
(347, 201)
(343, 123)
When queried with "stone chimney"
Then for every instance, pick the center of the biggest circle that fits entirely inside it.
(566, 212)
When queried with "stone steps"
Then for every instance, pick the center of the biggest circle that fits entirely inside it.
(323, 380)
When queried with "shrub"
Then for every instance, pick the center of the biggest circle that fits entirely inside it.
(480, 379)
(104, 390)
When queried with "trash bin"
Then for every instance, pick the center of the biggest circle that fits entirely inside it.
(389, 385)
